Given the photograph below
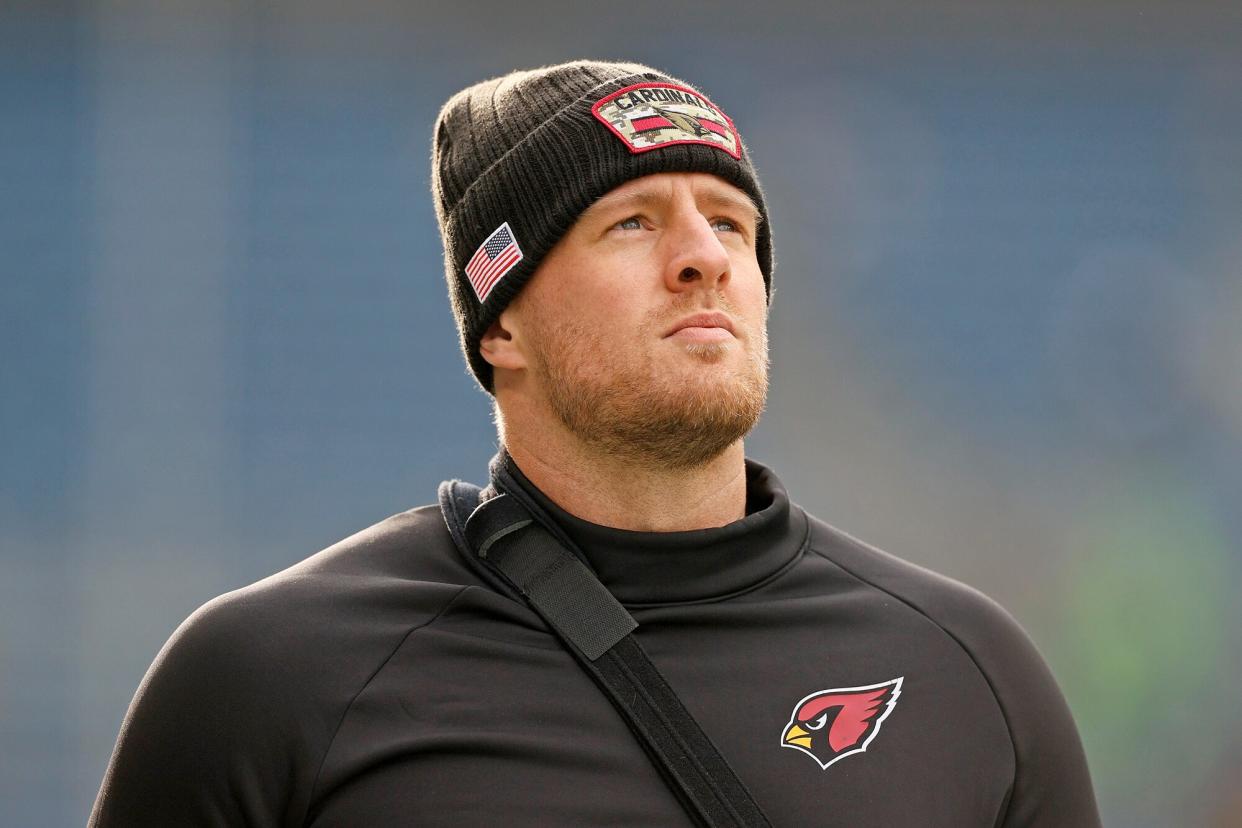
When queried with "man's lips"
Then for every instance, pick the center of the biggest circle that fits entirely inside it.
(705, 326)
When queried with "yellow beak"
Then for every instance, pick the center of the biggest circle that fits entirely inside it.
(797, 736)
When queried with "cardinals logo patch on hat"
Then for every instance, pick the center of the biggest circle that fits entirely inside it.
(648, 116)
(830, 725)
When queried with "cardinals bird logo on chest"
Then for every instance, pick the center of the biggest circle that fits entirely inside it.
(830, 725)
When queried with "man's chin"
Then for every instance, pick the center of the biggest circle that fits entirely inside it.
(677, 422)
(710, 352)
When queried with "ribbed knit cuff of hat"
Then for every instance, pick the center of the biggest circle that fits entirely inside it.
(526, 149)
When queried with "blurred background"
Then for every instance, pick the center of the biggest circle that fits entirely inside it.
(1007, 333)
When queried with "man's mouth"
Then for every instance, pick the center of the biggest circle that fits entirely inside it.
(702, 327)
(702, 336)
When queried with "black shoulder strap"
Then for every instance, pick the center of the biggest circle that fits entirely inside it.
(503, 537)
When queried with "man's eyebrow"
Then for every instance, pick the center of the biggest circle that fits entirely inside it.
(712, 198)
(736, 201)
(619, 201)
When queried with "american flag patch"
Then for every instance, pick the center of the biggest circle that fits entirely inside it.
(495, 257)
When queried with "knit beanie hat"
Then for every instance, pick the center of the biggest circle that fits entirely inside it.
(518, 158)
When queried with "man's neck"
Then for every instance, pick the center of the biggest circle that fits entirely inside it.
(632, 495)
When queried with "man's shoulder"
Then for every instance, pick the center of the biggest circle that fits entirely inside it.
(261, 676)
(1051, 784)
(408, 545)
(408, 557)
(994, 640)
(351, 602)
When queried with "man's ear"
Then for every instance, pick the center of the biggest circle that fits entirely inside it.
(499, 346)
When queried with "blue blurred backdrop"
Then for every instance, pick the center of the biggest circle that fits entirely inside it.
(1007, 334)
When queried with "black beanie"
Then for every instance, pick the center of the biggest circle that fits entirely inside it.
(518, 158)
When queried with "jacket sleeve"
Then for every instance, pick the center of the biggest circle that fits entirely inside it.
(1051, 786)
(202, 743)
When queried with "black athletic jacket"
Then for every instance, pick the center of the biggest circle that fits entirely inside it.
(381, 682)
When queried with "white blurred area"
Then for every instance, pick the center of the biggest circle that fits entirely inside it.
(1007, 329)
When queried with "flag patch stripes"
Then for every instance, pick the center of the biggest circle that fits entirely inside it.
(496, 256)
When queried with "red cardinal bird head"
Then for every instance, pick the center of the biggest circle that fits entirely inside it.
(832, 724)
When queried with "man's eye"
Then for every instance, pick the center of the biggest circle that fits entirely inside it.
(727, 225)
(631, 223)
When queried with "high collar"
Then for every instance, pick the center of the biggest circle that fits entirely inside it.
(681, 567)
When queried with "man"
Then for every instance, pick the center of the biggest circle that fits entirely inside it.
(610, 261)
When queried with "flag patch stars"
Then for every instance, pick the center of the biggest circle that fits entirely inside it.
(496, 256)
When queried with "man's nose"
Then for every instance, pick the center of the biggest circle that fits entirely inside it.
(696, 256)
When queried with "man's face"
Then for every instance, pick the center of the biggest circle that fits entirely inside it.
(645, 329)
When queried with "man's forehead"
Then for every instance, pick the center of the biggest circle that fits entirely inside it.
(653, 189)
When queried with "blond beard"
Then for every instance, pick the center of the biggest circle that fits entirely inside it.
(636, 413)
